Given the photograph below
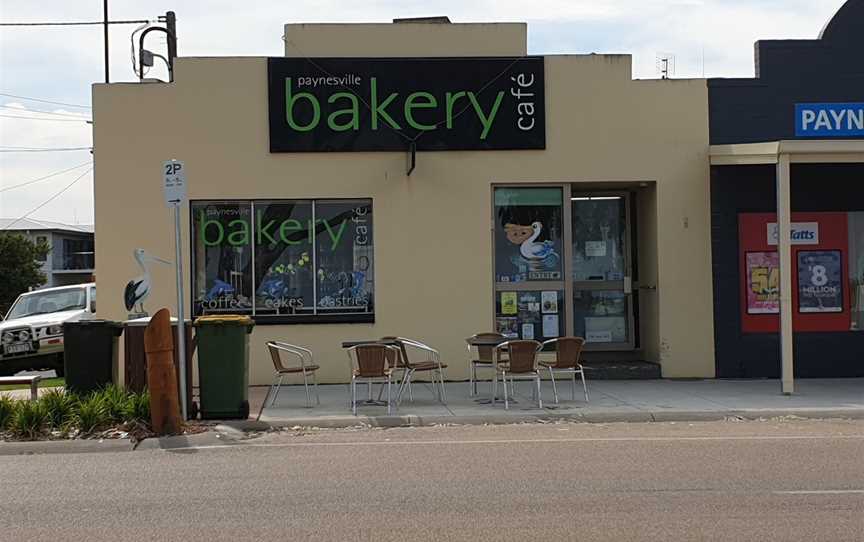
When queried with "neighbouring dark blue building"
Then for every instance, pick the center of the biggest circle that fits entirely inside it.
(806, 102)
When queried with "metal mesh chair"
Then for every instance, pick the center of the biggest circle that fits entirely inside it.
(521, 365)
(431, 364)
(484, 360)
(568, 354)
(307, 367)
(372, 363)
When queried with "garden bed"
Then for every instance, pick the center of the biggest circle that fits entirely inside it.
(108, 413)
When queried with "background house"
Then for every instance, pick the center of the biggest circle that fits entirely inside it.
(70, 260)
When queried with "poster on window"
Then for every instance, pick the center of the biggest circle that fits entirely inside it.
(763, 283)
(528, 234)
(820, 281)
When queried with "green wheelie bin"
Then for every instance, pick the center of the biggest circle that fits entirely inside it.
(223, 365)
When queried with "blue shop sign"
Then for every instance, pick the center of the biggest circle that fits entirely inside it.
(829, 120)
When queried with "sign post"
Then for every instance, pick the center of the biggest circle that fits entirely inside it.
(174, 184)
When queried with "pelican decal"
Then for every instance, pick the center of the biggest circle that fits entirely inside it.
(536, 256)
(138, 289)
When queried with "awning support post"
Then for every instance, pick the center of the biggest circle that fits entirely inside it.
(784, 247)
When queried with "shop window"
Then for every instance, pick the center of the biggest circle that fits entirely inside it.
(600, 316)
(344, 278)
(284, 278)
(528, 234)
(222, 258)
(312, 260)
(530, 314)
(42, 240)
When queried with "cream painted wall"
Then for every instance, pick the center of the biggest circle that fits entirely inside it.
(414, 40)
(601, 126)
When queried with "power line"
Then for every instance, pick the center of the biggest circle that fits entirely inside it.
(49, 200)
(37, 118)
(43, 101)
(74, 23)
(20, 110)
(30, 149)
(6, 188)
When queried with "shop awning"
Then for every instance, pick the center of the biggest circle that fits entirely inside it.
(799, 151)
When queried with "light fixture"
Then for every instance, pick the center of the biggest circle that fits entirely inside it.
(594, 198)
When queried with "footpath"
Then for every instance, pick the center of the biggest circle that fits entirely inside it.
(611, 401)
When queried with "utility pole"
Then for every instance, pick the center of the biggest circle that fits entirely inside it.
(171, 25)
(105, 25)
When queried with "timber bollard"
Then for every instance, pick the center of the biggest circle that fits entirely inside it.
(161, 376)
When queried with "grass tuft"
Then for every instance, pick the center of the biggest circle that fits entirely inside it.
(90, 414)
(59, 407)
(137, 408)
(29, 420)
(7, 409)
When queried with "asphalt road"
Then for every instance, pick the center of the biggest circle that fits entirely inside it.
(761, 481)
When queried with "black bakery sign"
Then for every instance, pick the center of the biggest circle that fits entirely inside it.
(388, 104)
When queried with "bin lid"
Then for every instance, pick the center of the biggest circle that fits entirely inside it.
(94, 323)
(224, 320)
(146, 321)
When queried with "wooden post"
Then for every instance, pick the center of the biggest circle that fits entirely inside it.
(161, 376)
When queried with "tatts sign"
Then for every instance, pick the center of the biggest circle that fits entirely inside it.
(356, 104)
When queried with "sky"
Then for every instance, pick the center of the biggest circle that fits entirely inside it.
(708, 38)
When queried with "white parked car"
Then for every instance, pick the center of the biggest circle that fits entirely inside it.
(31, 335)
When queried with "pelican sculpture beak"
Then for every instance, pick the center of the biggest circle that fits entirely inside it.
(160, 260)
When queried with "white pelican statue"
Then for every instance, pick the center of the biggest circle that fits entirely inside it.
(138, 289)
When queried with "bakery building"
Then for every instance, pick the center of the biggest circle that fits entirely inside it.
(427, 180)
(787, 147)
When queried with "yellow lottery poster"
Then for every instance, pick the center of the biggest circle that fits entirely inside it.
(508, 303)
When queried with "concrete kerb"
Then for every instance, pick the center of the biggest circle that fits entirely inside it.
(83, 446)
(334, 422)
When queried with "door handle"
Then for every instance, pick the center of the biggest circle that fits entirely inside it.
(628, 285)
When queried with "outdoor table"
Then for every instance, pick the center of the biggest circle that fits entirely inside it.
(493, 342)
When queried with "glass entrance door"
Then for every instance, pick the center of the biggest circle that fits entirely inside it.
(601, 270)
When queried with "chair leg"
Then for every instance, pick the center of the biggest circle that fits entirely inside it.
(539, 396)
(406, 382)
(443, 395)
(315, 384)
(306, 389)
(354, 396)
(472, 381)
(554, 387)
(278, 387)
(573, 387)
(584, 386)
(389, 402)
(506, 400)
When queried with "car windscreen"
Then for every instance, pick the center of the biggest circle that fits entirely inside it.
(47, 302)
